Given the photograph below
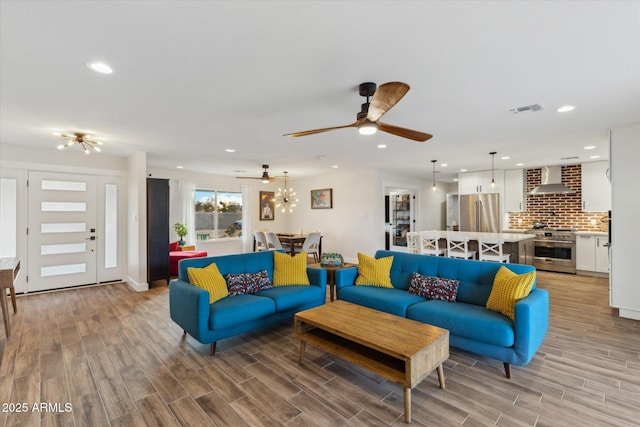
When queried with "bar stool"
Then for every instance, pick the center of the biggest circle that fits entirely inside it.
(491, 250)
(430, 244)
(458, 247)
(413, 242)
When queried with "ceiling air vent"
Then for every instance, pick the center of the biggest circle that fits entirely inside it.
(531, 108)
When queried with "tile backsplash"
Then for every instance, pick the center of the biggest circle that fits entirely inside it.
(556, 210)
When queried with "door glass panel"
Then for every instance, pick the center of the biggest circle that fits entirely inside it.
(63, 207)
(58, 270)
(63, 185)
(64, 227)
(70, 248)
(8, 217)
(111, 226)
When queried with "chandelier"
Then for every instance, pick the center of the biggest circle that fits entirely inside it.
(82, 139)
(285, 198)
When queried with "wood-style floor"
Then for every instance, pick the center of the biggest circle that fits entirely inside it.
(116, 357)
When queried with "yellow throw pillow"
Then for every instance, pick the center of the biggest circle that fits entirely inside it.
(209, 279)
(374, 272)
(290, 270)
(509, 288)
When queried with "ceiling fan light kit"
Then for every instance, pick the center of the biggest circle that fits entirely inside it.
(265, 178)
(384, 97)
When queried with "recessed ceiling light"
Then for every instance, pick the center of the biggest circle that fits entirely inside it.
(589, 147)
(463, 170)
(519, 164)
(505, 157)
(100, 67)
(382, 145)
(179, 167)
(444, 165)
(566, 108)
(229, 150)
(335, 166)
(594, 157)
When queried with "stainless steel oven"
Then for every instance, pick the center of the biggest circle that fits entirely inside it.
(555, 250)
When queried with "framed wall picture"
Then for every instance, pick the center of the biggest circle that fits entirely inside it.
(322, 199)
(267, 206)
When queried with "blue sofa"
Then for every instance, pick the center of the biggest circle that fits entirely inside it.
(189, 305)
(471, 326)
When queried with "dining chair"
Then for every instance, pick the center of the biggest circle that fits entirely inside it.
(272, 241)
(430, 244)
(458, 247)
(261, 241)
(413, 242)
(492, 250)
(311, 245)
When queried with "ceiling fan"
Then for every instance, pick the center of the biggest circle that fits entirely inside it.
(265, 178)
(367, 122)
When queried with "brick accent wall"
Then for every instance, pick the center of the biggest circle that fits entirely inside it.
(556, 210)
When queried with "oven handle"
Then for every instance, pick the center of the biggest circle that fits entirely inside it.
(559, 243)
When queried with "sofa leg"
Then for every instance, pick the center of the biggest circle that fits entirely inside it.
(507, 369)
(213, 347)
(184, 332)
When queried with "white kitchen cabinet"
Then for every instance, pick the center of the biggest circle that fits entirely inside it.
(592, 253)
(479, 182)
(514, 199)
(596, 187)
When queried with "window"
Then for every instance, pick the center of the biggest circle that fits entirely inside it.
(218, 214)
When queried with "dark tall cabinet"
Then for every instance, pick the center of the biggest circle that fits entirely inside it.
(157, 229)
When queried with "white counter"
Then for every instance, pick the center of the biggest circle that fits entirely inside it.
(474, 235)
(592, 233)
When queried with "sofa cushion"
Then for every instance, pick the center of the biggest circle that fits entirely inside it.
(374, 272)
(434, 287)
(508, 288)
(290, 270)
(394, 301)
(288, 297)
(209, 279)
(238, 309)
(465, 320)
(247, 283)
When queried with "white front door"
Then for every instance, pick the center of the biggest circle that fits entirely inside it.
(62, 230)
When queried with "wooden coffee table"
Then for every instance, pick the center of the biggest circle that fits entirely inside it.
(401, 350)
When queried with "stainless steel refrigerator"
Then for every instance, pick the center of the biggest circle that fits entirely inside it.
(480, 212)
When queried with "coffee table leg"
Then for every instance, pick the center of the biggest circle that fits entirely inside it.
(302, 347)
(441, 376)
(407, 405)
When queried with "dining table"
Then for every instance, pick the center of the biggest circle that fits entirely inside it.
(291, 240)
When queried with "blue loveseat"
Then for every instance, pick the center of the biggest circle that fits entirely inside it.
(472, 327)
(189, 305)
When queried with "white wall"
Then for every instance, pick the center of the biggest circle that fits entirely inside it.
(625, 211)
(137, 222)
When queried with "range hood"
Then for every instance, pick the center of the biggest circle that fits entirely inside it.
(552, 182)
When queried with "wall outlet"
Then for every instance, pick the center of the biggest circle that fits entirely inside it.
(594, 222)
(519, 221)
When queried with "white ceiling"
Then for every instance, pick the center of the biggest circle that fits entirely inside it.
(192, 78)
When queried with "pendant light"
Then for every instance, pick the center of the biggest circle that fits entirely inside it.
(285, 198)
(433, 162)
(493, 181)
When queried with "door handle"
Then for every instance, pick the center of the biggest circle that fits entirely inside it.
(91, 238)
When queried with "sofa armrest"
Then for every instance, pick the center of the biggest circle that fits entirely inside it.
(531, 323)
(345, 277)
(317, 277)
(189, 308)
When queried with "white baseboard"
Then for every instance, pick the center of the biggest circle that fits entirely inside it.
(629, 314)
(138, 287)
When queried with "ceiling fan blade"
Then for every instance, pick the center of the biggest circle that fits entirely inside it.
(271, 179)
(311, 132)
(403, 132)
(385, 97)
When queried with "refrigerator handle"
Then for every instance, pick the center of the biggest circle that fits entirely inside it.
(479, 215)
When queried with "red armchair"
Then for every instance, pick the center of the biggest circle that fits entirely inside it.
(175, 255)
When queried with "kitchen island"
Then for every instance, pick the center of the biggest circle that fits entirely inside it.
(519, 245)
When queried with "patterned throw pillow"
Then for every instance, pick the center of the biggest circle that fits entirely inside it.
(209, 279)
(434, 287)
(508, 288)
(374, 272)
(290, 270)
(248, 283)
